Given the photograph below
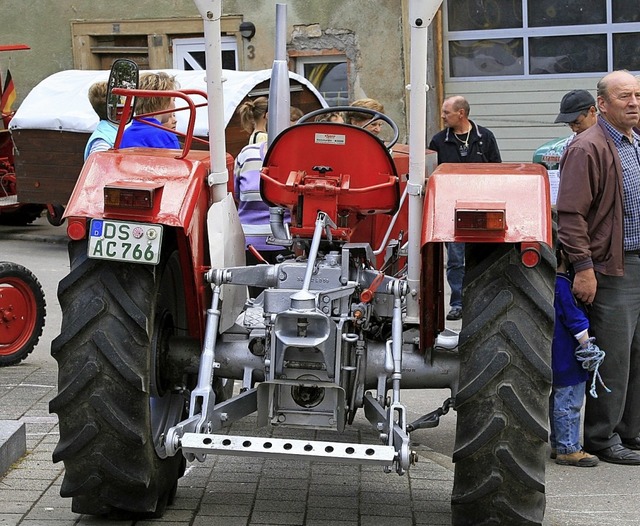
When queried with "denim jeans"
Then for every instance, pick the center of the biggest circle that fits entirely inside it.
(565, 404)
(455, 272)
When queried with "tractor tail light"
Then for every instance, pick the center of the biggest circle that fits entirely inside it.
(76, 228)
(119, 197)
(484, 220)
(530, 254)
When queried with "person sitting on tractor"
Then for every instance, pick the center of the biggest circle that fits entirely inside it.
(169, 120)
(295, 114)
(140, 133)
(361, 119)
(104, 135)
(334, 116)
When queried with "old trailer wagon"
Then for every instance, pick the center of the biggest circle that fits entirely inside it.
(52, 125)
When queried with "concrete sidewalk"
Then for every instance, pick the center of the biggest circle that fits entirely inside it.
(222, 490)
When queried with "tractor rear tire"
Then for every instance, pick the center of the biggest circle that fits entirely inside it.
(22, 312)
(114, 400)
(505, 380)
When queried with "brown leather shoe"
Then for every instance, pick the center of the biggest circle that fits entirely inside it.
(578, 459)
(618, 454)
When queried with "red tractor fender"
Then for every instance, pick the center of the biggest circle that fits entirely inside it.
(479, 203)
(180, 199)
(178, 183)
(462, 199)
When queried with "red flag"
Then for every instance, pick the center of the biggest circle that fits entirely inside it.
(8, 94)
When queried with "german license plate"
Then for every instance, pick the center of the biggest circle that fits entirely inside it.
(122, 241)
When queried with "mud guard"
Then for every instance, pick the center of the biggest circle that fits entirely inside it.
(521, 190)
(226, 248)
(517, 193)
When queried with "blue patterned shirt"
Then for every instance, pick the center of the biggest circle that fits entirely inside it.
(629, 152)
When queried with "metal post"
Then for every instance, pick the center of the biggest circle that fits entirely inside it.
(211, 12)
(421, 14)
(279, 91)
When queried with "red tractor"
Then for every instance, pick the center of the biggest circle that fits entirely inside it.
(22, 305)
(157, 325)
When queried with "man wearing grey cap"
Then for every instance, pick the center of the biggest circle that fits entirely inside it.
(578, 111)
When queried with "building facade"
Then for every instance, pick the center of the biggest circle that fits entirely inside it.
(512, 59)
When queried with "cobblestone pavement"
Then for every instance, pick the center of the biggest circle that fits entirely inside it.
(247, 491)
(223, 490)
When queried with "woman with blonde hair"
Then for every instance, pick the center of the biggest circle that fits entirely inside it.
(253, 119)
(361, 119)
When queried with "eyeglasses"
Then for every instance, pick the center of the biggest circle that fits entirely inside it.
(578, 121)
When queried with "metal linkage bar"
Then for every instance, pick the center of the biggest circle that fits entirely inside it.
(278, 447)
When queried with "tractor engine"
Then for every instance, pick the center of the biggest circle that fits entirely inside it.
(314, 341)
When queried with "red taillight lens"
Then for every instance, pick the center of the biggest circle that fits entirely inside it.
(117, 197)
(480, 220)
(530, 254)
(76, 228)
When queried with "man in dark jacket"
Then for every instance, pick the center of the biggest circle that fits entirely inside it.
(599, 226)
(462, 141)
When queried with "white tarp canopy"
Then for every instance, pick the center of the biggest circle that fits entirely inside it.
(60, 102)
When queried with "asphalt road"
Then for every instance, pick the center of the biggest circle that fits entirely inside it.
(606, 494)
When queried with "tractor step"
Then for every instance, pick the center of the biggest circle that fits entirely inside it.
(343, 452)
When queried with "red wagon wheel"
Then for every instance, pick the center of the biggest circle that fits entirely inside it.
(22, 312)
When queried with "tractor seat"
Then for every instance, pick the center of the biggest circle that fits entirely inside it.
(340, 169)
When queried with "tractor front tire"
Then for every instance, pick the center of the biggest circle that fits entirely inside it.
(114, 402)
(505, 380)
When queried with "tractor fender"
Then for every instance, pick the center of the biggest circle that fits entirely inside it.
(517, 192)
(178, 183)
(181, 199)
(227, 243)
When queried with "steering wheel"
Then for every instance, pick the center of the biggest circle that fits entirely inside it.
(375, 116)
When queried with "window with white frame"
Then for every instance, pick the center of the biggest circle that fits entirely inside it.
(328, 73)
(188, 53)
(534, 38)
